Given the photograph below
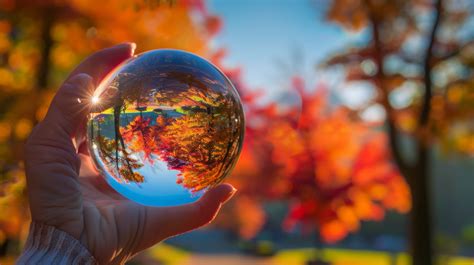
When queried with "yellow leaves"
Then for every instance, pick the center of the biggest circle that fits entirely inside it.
(59, 32)
(461, 94)
(6, 77)
(452, 117)
(45, 99)
(465, 143)
(23, 58)
(5, 43)
(163, 26)
(455, 93)
(64, 57)
(460, 139)
(70, 38)
(406, 120)
(5, 130)
(12, 201)
(23, 128)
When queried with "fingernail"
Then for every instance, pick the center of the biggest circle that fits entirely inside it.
(231, 194)
(134, 46)
(131, 45)
(84, 76)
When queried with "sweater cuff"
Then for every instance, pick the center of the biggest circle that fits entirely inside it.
(48, 245)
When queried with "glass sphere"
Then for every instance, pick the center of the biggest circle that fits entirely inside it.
(166, 126)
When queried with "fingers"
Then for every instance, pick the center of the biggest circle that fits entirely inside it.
(99, 64)
(165, 222)
(55, 131)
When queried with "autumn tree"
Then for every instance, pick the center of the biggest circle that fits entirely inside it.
(202, 143)
(425, 47)
(114, 156)
(334, 169)
(344, 174)
(41, 41)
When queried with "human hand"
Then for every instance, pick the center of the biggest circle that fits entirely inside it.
(65, 190)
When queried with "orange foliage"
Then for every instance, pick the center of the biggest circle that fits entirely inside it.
(338, 170)
(353, 177)
(201, 144)
(40, 43)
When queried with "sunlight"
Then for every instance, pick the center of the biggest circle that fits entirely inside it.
(95, 99)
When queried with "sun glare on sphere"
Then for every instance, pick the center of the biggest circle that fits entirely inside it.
(95, 100)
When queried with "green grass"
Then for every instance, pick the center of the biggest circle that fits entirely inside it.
(169, 255)
(355, 257)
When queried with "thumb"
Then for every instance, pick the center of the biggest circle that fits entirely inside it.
(164, 222)
(205, 210)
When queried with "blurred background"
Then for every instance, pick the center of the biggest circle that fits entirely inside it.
(359, 142)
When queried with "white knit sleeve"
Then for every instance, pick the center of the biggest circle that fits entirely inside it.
(48, 245)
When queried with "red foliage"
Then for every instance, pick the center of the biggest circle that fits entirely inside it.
(337, 171)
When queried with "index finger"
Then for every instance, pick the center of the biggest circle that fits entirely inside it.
(99, 64)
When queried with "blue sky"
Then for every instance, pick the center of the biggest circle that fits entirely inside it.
(257, 34)
(271, 40)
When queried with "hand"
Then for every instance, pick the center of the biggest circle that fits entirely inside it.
(65, 191)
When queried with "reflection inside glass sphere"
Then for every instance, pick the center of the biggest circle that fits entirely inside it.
(165, 126)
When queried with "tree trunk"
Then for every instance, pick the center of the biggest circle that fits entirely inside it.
(420, 216)
(44, 67)
(421, 227)
(318, 258)
(4, 247)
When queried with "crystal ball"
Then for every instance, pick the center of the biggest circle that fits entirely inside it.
(165, 126)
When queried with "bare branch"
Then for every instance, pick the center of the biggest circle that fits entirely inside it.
(455, 52)
(379, 82)
(426, 107)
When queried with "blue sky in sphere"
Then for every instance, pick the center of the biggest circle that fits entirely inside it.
(158, 189)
